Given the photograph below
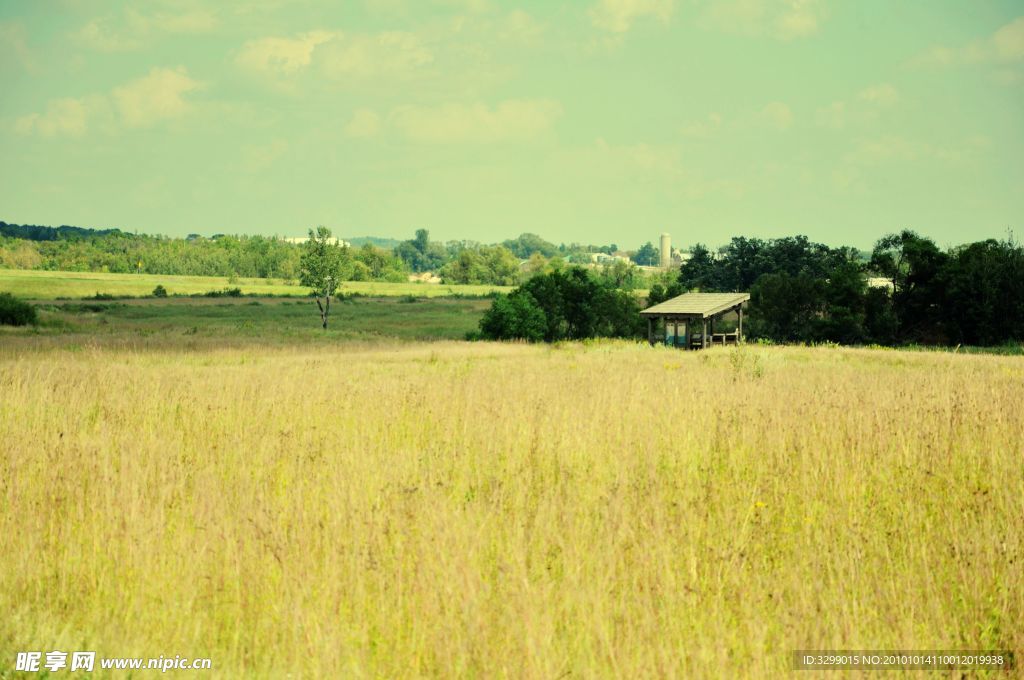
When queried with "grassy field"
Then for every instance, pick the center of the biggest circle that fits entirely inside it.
(197, 323)
(382, 506)
(47, 285)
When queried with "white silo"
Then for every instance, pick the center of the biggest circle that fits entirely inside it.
(666, 251)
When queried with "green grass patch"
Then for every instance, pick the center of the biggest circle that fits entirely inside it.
(52, 285)
(270, 320)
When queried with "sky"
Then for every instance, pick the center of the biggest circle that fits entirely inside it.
(594, 121)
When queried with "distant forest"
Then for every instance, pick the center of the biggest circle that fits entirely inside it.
(801, 291)
(370, 258)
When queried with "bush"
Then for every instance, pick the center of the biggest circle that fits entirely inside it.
(514, 316)
(160, 291)
(15, 312)
(227, 292)
(563, 305)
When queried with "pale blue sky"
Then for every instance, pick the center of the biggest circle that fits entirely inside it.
(599, 121)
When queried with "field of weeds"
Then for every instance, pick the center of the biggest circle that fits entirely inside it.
(485, 510)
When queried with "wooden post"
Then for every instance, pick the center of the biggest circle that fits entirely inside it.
(650, 330)
(711, 330)
(704, 334)
(739, 325)
(686, 334)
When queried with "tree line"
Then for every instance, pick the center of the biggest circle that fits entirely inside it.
(802, 291)
(69, 248)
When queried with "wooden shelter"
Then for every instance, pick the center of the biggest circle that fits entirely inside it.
(696, 311)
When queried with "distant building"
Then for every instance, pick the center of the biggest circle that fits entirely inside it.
(604, 258)
(302, 239)
(666, 251)
(425, 277)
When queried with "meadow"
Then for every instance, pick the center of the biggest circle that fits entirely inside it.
(195, 323)
(373, 504)
(49, 285)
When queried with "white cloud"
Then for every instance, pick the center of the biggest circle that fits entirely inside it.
(158, 96)
(281, 56)
(338, 55)
(632, 171)
(833, 116)
(195, 21)
(800, 18)
(511, 120)
(63, 117)
(777, 115)
(702, 129)
(882, 94)
(155, 97)
(520, 26)
(14, 38)
(391, 53)
(876, 151)
(364, 123)
(608, 163)
(865, 107)
(1008, 41)
(883, 150)
(132, 30)
(474, 6)
(780, 19)
(97, 35)
(618, 16)
(1004, 46)
(261, 157)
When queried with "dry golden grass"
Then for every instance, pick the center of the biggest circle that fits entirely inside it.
(490, 510)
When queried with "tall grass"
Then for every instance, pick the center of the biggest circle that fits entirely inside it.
(516, 511)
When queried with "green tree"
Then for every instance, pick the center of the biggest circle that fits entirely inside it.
(15, 312)
(421, 254)
(620, 274)
(514, 316)
(573, 304)
(527, 245)
(699, 271)
(494, 265)
(647, 256)
(914, 265)
(844, 315)
(536, 264)
(787, 308)
(321, 268)
(983, 287)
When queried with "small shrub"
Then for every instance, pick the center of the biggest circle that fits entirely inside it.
(227, 292)
(85, 308)
(160, 291)
(744, 363)
(15, 312)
